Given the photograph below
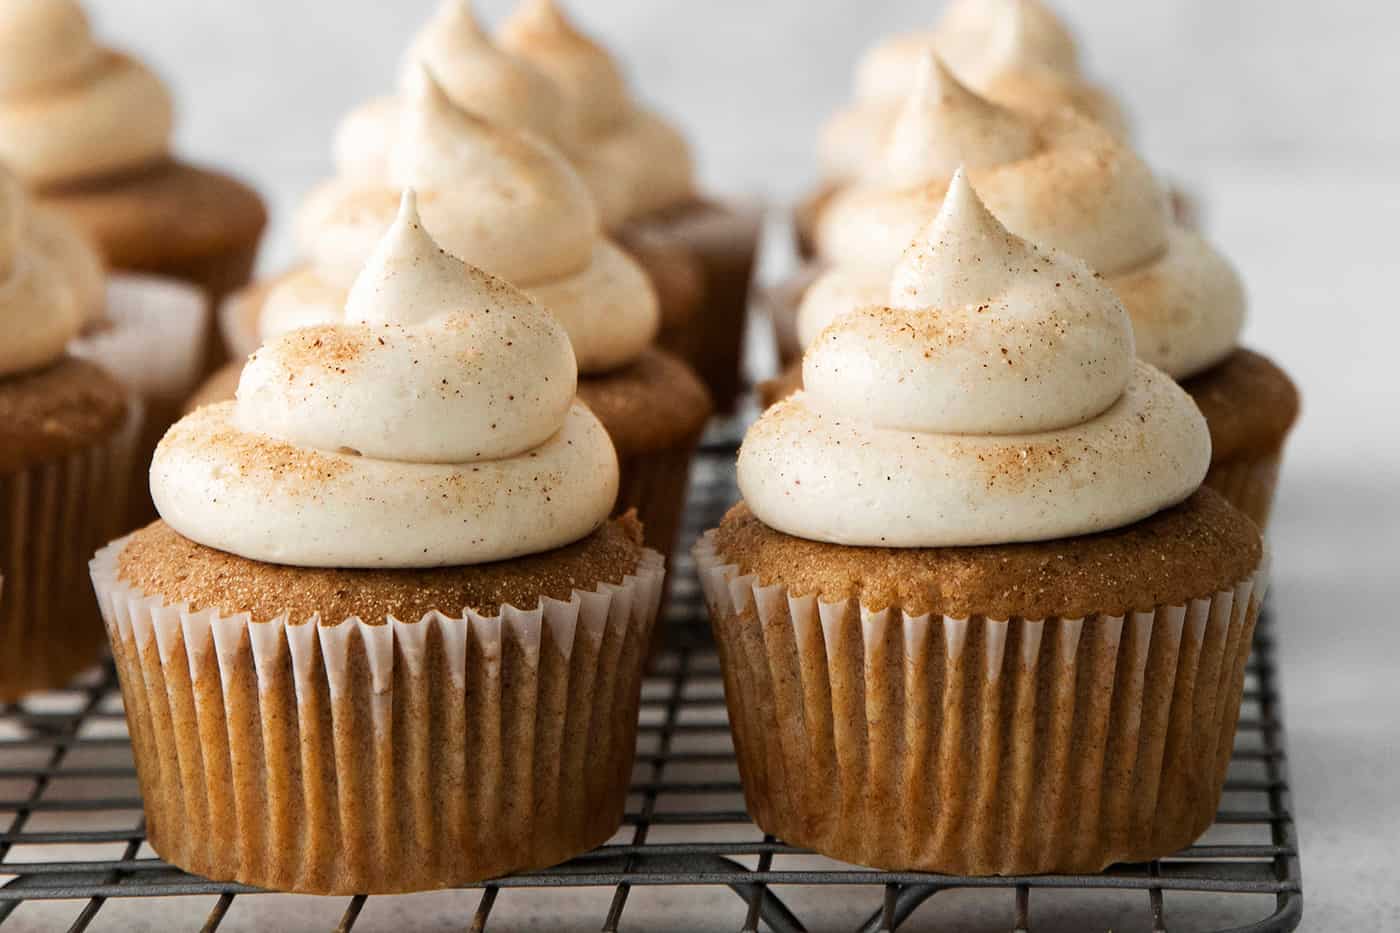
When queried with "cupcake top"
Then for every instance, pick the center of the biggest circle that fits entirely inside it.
(1013, 51)
(632, 159)
(503, 200)
(992, 397)
(435, 426)
(46, 273)
(1055, 179)
(71, 109)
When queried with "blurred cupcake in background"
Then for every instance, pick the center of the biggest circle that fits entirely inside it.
(88, 129)
(67, 430)
(1066, 183)
(975, 613)
(508, 202)
(388, 564)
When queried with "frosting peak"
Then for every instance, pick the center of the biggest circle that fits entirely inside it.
(992, 398)
(942, 125)
(436, 426)
(587, 73)
(983, 36)
(70, 108)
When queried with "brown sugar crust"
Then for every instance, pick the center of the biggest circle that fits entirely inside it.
(1189, 551)
(1249, 403)
(654, 403)
(53, 412)
(219, 387)
(166, 214)
(160, 562)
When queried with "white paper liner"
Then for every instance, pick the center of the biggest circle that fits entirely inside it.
(238, 322)
(155, 341)
(979, 746)
(377, 758)
(54, 514)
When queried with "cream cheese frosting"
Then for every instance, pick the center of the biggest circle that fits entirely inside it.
(43, 304)
(991, 398)
(436, 425)
(633, 160)
(1055, 179)
(1014, 52)
(71, 109)
(500, 198)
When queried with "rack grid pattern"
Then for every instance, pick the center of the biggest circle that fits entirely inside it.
(685, 785)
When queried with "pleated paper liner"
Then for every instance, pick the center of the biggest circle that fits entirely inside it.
(154, 343)
(378, 758)
(52, 516)
(1248, 483)
(978, 746)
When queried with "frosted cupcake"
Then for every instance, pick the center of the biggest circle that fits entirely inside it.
(1065, 182)
(385, 610)
(89, 129)
(511, 204)
(66, 432)
(640, 170)
(975, 613)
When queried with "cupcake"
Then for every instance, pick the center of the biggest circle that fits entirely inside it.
(975, 612)
(66, 432)
(509, 203)
(1015, 52)
(1065, 182)
(385, 637)
(88, 128)
(640, 170)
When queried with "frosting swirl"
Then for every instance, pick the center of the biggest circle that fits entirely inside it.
(633, 160)
(1055, 179)
(42, 298)
(1014, 52)
(436, 426)
(991, 398)
(504, 201)
(69, 108)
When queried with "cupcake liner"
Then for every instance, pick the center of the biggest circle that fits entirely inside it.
(725, 241)
(238, 324)
(1248, 483)
(52, 516)
(979, 746)
(378, 758)
(154, 343)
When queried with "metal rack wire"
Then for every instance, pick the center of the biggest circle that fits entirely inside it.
(685, 824)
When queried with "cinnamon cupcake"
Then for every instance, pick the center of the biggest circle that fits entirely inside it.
(385, 610)
(88, 128)
(66, 432)
(509, 203)
(640, 170)
(975, 613)
(1068, 184)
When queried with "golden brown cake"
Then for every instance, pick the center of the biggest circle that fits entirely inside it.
(976, 614)
(355, 590)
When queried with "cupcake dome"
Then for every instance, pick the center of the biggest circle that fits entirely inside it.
(501, 199)
(1056, 179)
(990, 397)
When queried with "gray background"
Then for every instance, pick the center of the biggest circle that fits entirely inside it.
(1282, 115)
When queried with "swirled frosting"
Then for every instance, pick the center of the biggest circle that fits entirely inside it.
(1014, 52)
(991, 398)
(69, 108)
(1055, 179)
(43, 298)
(503, 200)
(632, 159)
(437, 425)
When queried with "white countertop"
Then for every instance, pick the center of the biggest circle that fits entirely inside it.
(1282, 116)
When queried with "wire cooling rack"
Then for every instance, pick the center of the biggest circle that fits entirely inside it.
(73, 840)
